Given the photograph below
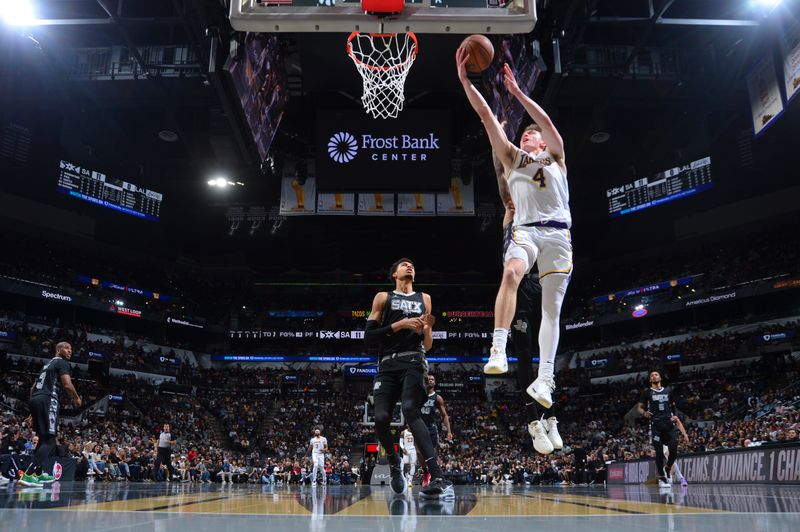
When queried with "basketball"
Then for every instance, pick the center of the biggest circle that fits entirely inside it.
(480, 51)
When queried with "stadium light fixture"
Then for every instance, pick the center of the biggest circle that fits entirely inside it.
(222, 182)
(17, 12)
(769, 4)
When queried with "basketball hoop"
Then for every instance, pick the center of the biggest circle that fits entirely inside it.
(383, 60)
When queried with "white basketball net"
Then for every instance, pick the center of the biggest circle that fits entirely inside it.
(383, 60)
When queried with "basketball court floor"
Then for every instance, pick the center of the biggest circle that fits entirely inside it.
(92, 507)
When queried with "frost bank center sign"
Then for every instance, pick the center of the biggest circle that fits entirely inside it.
(358, 153)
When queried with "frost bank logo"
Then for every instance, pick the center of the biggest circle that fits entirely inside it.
(342, 147)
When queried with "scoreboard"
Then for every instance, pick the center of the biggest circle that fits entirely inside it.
(669, 185)
(98, 188)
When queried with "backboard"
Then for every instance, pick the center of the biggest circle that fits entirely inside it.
(419, 16)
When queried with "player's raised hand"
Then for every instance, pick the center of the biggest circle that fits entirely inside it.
(461, 63)
(648, 414)
(509, 80)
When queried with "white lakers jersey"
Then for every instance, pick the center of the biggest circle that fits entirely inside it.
(408, 441)
(318, 445)
(539, 189)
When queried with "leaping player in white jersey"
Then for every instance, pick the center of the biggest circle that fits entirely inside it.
(318, 447)
(409, 454)
(537, 178)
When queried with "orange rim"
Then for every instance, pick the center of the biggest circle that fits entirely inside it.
(354, 34)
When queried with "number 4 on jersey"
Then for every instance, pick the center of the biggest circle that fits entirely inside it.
(538, 177)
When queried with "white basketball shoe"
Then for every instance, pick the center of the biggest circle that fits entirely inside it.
(542, 390)
(551, 425)
(498, 363)
(541, 442)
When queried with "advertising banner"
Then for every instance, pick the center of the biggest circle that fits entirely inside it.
(358, 154)
(359, 372)
(754, 465)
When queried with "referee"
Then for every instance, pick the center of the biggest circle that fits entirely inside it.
(164, 453)
(44, 412)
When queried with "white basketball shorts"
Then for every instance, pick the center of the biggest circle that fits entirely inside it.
(549, 247)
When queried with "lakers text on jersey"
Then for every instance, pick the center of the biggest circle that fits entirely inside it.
(538, 186)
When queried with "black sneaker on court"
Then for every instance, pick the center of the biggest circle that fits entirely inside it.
(440, 489)
(399, 483)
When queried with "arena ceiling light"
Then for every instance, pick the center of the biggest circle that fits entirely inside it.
(767, 3)
(17, 12)
(222, 182)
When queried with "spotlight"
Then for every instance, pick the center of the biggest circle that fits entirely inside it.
(223, 182)
(764, 7)
(219, 182)
(17, 12)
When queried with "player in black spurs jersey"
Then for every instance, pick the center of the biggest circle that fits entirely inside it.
(656, 404)
(400, 326)
(44, 412)
(431, 410)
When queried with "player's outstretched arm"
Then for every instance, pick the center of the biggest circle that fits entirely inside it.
(550, 135)
(500, 173)
(502, 187)
(497, 137)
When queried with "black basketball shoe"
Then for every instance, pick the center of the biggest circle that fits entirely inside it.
(399, 483)
(440, 489)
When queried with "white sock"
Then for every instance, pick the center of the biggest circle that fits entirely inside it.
(554, 288)
(499, 340)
